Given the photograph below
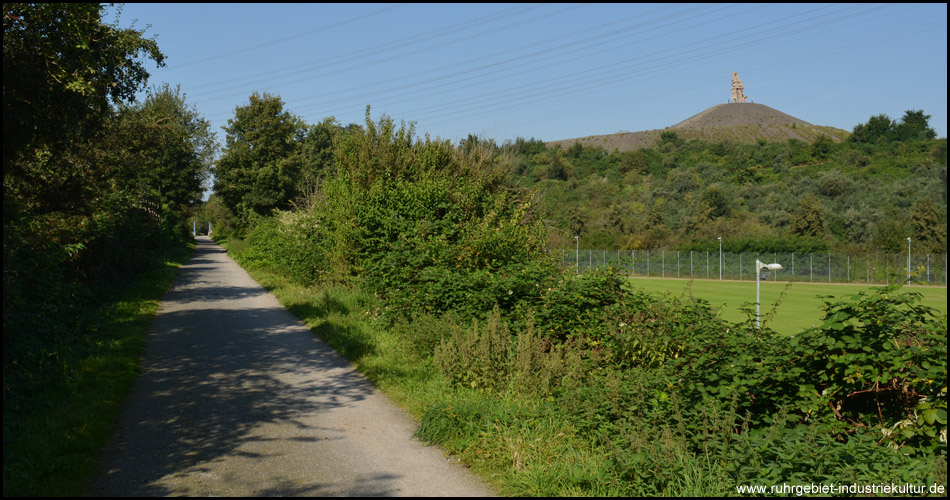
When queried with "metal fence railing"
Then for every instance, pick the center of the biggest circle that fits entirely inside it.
(869, 268)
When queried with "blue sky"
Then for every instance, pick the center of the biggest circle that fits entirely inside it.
(551, 71)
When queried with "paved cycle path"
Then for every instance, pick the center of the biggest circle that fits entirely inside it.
(238, 398)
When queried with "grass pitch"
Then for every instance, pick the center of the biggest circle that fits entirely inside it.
(799, 309)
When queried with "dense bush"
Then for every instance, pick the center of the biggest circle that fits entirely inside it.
(860, 399)
(427, 227)
(58, 267)
(290, 241)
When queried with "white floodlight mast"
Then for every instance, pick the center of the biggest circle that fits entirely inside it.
(759, 266)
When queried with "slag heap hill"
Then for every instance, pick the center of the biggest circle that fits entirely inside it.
(735, 121)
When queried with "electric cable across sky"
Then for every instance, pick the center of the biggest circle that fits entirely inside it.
(551, 71)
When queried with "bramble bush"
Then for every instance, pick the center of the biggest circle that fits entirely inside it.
(861, 398)
(877, 362)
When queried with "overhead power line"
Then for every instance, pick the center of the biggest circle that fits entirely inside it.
(288, 38)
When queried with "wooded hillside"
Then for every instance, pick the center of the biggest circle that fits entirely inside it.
(869, 192)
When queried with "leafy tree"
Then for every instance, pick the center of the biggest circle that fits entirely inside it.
(682, 180)
(576, 150)
(858, 223)
(214, 211)
(822, 147)
(577, 224)
(890, 233)
(915, 125)
(90, 195)
(317, 148)
(62, 68)
(929, 228)
(670, 137)
(834, 184)
(171, 147)
(261, 164)
(809, 219)
(716, 200)
(560, 168)
(554, 165)
(878, 128)
(940, 155)
(522, 146)
(634, 161)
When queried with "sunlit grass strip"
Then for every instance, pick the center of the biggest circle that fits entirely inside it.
(56, 447)
(798, 309)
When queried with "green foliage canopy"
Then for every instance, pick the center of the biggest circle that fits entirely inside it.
(261, 164)
(166, 149)
(62, 69)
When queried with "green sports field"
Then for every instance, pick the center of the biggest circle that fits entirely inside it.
(799, 309)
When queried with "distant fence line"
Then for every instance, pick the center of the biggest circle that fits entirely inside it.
(825, 267)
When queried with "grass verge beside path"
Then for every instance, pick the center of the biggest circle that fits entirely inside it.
(54, 439)
(521, 445)
(530, 444)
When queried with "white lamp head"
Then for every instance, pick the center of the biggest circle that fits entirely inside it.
(771, 267)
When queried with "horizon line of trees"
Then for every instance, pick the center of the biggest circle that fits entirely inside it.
(870, 192)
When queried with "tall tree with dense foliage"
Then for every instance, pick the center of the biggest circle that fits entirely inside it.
(879, 127)
(62, 69)
(915, 125)
(261, 164)
(160, 149)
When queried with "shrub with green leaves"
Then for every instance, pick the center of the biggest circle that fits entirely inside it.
(426, 226)
(290, 241)
(878, 361)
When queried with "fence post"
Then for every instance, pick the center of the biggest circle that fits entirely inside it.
(662, 263)
(811, 267)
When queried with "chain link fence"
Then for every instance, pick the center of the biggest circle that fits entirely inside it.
(871, 269)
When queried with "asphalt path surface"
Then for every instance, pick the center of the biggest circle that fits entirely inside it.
(238, 398)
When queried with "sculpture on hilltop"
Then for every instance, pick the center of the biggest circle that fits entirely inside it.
(737, 88)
